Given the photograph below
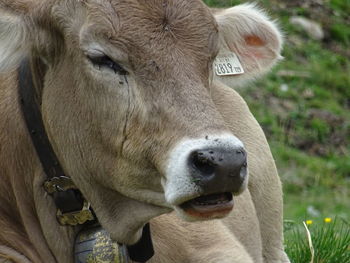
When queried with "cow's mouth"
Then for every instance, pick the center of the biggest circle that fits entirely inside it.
(209, 206)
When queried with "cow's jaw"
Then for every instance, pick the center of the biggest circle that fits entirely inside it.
(189, 197)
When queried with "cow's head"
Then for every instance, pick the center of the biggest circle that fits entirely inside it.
(127, 99)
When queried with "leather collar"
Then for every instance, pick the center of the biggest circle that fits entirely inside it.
(67, 197)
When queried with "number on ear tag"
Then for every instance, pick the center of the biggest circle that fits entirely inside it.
(227, 64)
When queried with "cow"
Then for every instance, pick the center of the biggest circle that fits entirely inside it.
(144, 126)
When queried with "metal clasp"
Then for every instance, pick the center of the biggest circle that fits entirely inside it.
(76, 217)
(59, 184)
(62, 184)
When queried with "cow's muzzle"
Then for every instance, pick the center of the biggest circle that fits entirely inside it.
(204, 174)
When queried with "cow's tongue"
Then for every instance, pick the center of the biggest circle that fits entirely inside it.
(209, 204)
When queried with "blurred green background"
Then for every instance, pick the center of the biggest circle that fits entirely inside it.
(303, 106)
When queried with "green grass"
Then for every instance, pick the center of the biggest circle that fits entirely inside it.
(330, 242)
(222, 3)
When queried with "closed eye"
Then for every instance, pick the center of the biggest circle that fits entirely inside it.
(104, 61)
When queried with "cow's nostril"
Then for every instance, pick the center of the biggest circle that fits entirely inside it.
(202, 162)
(217, 169)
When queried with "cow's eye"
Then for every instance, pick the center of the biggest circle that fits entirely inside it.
(107, 62)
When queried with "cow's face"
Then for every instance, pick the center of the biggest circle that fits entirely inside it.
(127, 105)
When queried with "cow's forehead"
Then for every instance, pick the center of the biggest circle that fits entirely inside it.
(157, 12)
(160, 24)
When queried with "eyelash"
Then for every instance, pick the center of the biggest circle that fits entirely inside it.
(107, 62)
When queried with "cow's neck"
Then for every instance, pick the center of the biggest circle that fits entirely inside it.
(28, 214)
(66, 196)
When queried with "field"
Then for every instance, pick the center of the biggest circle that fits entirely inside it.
(303, 106)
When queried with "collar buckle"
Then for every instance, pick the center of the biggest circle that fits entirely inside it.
(80, 213)
(76, 217)
(59, 184)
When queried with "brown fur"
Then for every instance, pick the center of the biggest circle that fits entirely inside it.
(113, 134)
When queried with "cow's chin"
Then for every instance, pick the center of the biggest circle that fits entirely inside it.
(206, 207)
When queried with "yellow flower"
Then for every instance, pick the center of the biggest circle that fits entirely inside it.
(308, 222)
(328, 220)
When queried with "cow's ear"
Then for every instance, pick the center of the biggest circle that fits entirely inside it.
(246, 32)
(14, 36)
